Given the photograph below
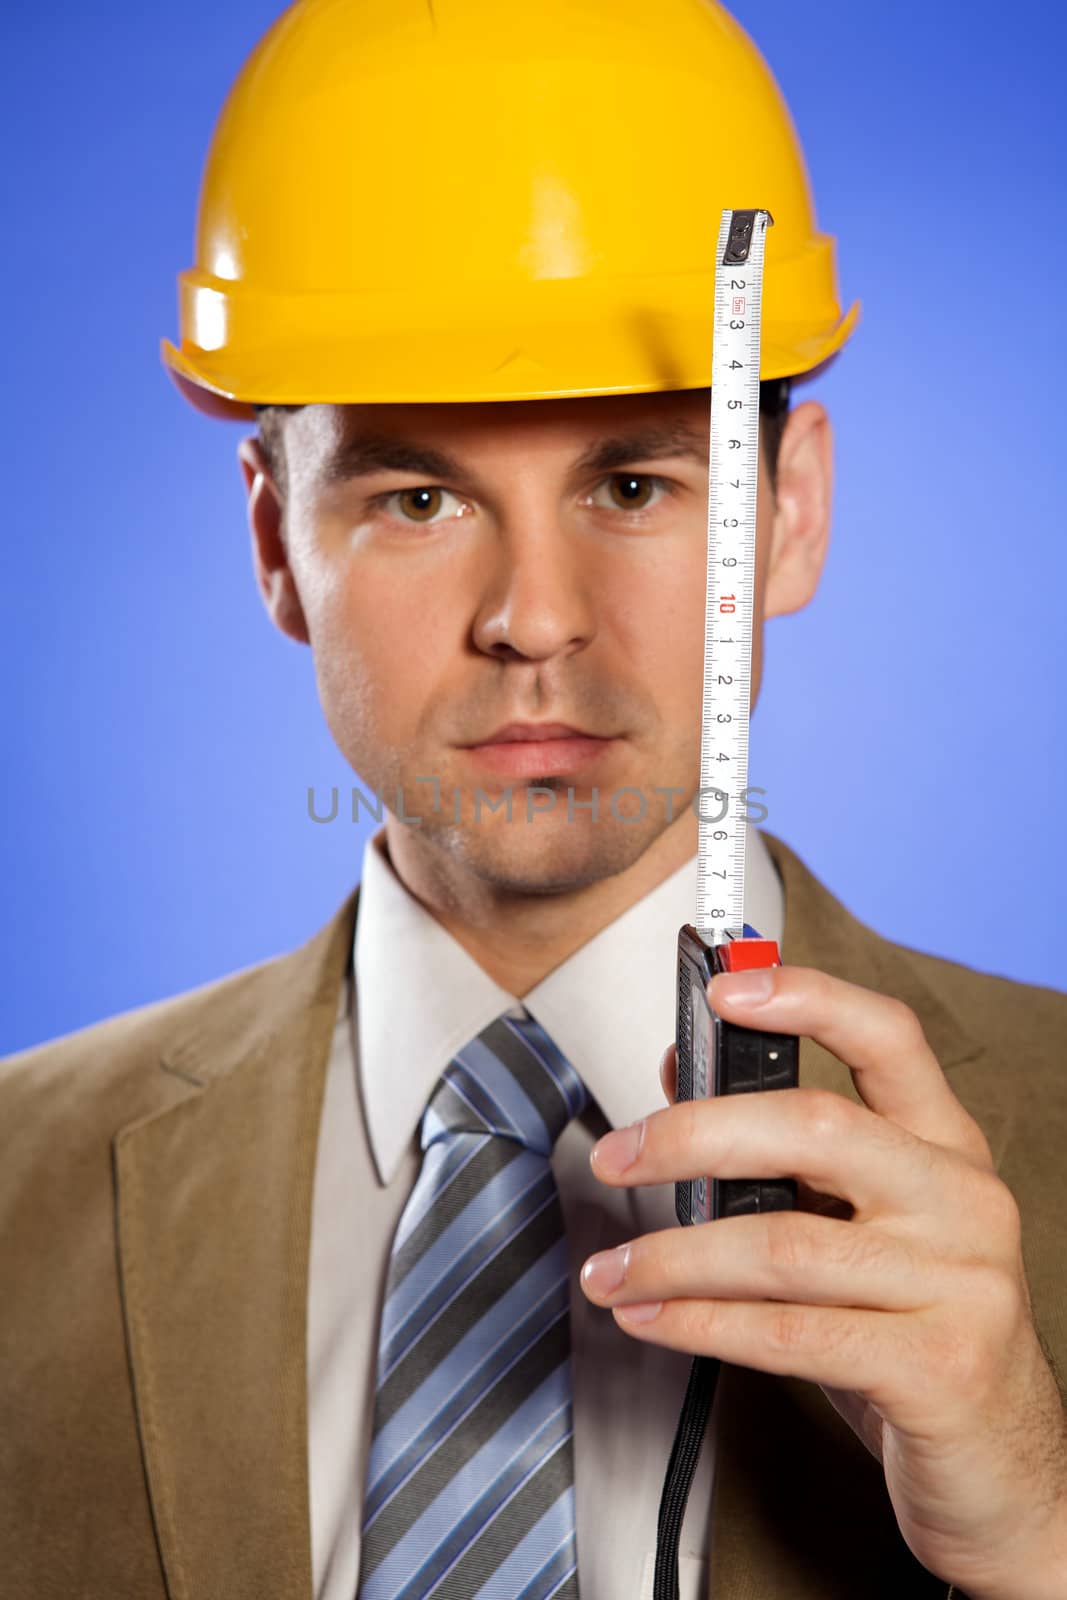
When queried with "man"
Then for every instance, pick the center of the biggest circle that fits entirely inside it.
(307, 1271)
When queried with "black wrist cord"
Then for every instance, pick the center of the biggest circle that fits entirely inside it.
(685, 1452)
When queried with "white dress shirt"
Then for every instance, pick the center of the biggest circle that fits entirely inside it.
(418, 998)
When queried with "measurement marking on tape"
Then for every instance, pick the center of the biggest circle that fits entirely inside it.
(733, 489)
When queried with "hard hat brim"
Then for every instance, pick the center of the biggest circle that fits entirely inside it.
(623, 350)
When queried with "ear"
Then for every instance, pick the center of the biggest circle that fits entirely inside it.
(801, 530)
(270, 553)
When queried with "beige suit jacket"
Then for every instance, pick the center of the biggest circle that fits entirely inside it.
(155, 1203)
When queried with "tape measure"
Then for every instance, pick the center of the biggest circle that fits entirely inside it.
(715, 1057)
(731, 579)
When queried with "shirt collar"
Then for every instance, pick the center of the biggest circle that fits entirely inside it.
(610, 1007)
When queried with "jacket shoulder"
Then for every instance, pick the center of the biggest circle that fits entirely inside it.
(127, 1043)
(1027, 1018)
(1019, 1026)
(992, 992)
(138, 1061)
(62, 1101)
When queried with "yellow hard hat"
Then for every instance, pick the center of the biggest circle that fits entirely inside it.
(458, 200)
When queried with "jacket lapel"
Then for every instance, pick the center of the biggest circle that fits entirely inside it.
(214, 1212)
(214, 1209)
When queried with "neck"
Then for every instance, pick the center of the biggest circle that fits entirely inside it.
(518, 939)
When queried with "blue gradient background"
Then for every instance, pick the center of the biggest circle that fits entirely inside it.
(160, 735)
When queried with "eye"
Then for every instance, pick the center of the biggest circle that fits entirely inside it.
(422, 504)
(629, 491)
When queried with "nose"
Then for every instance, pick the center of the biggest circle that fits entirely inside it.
(538, 590)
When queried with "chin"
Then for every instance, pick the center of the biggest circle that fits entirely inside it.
(549, 855)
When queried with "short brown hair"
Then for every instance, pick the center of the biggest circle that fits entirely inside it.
(773, 404)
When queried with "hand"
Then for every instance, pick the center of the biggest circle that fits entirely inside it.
(908, 1304)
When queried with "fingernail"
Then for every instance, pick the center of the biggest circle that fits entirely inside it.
(619, 1150)
(746, 988)
(605, 1272)
(643, 1311)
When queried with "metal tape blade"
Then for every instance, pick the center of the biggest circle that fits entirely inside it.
(733, 483)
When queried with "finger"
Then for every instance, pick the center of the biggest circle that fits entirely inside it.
(783, 1255)
(878, 1038)
(668, 1074)
(861, 1351)
(830, 1143)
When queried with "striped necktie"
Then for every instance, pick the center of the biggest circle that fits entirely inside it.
(470, 1484)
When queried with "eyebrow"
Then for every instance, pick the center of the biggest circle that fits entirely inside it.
(365, 453)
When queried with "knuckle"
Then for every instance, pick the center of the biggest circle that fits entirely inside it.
(689, 1117)
(634, 1261)
(799, 1249)
(793, 1244)
(907, 1028)
(980, 1148)
(876, 1254)
(825, 1115)
(813, 980)
(998, 1293)
(991, 1204)
(788, 1245)
(820, 989)
(697, 1323)
(965, 1349)
(796, 1330)
(789, 1329)
(953, 1356)
(974, 1144)
(1004, 1211)
(662, 1129)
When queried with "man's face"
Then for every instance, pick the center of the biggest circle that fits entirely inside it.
(459, 568)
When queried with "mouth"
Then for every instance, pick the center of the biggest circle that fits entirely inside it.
(538, 749)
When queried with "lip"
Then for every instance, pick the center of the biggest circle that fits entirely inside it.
(521, 732)
(538, 750)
